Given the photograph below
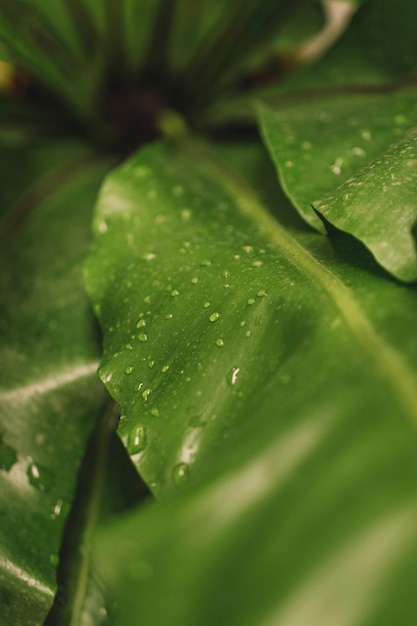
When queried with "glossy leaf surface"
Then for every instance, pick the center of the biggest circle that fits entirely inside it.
(352, 158)
(296, 429)
(50, 393)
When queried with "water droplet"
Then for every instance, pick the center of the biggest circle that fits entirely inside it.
(146, 393)
(248, 333)
(237, 257)
(251, 301)
(186, 214)
(147, 299)
(137, 440)
(336, 168)
(366, 135)
(168, 316)
(205, 262)
(219, 343)
(261, 293)
(289, 164)
(242, 324)
(141, 324)
(214, 317)
(143, 337)
(39, 477)
(257, 263)
(57, 510)
(129, 346)
(151, 364)
(164, 369)
(130, 369)
(149, 256)
(248, 249)
(180, 473)
(194, 280)
(232, 375)
(155, 411)
(206, 305)
(175, 293)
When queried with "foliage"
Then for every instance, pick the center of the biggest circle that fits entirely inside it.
(247, 453)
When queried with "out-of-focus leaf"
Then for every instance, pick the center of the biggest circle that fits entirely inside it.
(50, 394)
(352, 157)
(107, 485)
(391, 33)
(279, 377)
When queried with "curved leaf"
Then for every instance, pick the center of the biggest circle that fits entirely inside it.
(290, 401)
(353, 159)
(50, 394)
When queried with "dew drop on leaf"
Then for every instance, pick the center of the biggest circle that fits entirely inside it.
(232, 376)
(39, 477)
(146, 393)
(143, 337)
(137, 439)
(214, 317)
(180, 473)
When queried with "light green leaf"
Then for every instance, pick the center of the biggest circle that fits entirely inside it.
(352, 157)
(50, 393)
(289, 404)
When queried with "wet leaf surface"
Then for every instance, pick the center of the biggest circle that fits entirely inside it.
(277, 422)
(50, 393)
(352, 159)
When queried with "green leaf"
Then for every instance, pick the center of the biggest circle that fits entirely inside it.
(391, 32)
(50, 394)
(107, 485)
(290, 403)
(352, 158)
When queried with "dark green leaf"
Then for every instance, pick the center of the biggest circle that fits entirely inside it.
(50, 395)
(289, 402)
(107, 485)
